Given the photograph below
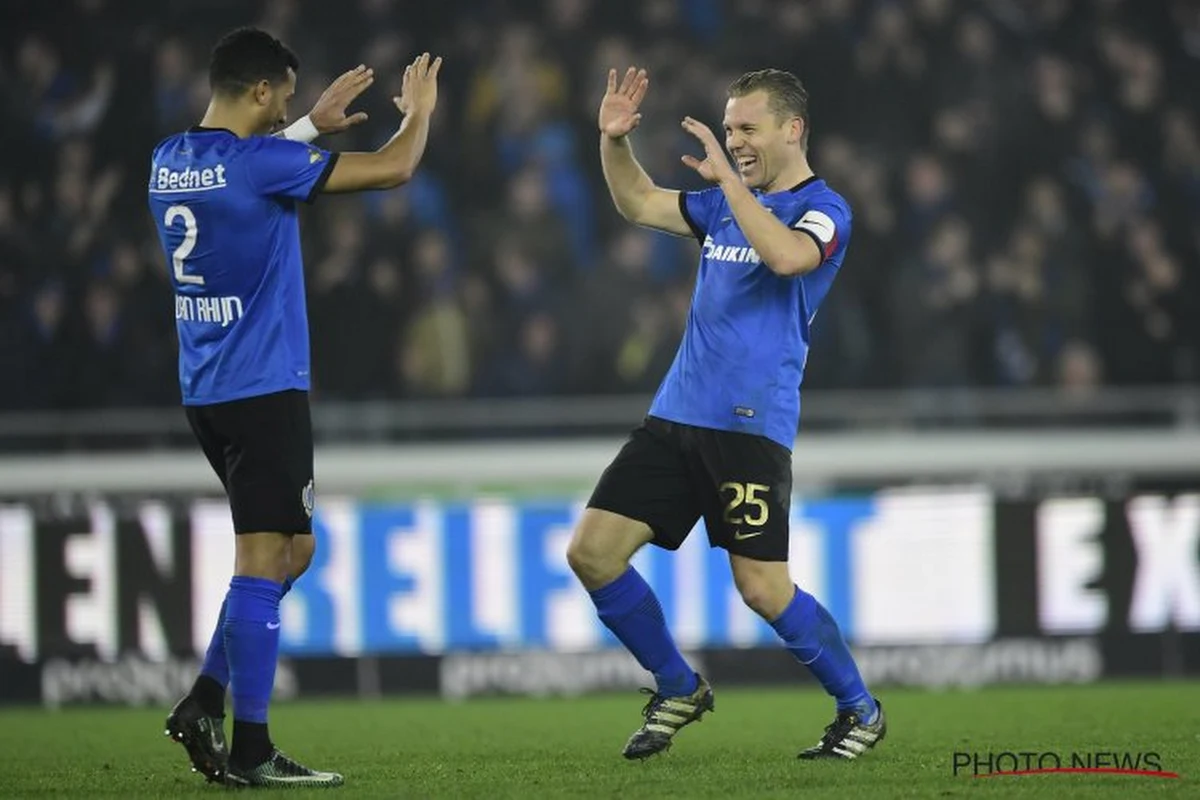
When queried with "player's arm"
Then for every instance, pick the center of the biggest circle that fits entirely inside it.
(633, 192)
(394, 164)
(784, 251)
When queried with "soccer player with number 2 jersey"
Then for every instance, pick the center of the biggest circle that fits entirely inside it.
(224, 196)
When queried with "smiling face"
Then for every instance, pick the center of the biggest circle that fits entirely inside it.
(763, 142)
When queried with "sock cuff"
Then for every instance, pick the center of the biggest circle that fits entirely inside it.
(264, 587)
(253, 599)
(797, 617)
(622, 595)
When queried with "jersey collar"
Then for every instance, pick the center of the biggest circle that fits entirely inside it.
(810, 179)
(798, 187)
(203, 129)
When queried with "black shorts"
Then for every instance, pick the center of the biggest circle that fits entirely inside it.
(670, 475)
(262, 450)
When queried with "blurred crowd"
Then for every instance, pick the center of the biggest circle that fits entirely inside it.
(1025, 178)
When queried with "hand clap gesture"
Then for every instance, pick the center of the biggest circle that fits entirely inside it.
(619, 108)
(418, 92)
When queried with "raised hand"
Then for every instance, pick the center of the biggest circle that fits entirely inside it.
(418, 91)
(329, 113)
(619, 108)
(715, 167)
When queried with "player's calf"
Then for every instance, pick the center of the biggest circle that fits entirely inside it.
(665, 717)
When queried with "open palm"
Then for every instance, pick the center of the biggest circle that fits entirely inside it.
(619, 108)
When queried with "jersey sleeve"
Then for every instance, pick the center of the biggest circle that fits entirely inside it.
(827, 223)
(699, 210)
(279, 167)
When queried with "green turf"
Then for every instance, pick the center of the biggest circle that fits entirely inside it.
(571, 748)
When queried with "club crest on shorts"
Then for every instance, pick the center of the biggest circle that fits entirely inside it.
(308, 497)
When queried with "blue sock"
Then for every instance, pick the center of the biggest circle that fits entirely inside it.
(629, 609)
(252, 644)
(812, 636)
(215, 665)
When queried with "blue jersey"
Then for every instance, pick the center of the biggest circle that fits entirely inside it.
(226, 211)
(742, 357)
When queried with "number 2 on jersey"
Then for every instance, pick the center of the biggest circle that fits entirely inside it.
(185, 247)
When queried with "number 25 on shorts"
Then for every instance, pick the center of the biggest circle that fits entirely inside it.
(745, 497)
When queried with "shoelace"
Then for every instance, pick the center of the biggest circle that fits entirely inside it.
(840, 728)
(283, 764)
(653, 704)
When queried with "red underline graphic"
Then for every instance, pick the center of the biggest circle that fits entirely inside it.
(1145, 773)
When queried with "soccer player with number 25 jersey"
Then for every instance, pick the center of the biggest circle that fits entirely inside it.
(224, 196)
(716, 444)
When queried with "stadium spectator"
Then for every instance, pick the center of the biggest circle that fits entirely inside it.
(1027, 173)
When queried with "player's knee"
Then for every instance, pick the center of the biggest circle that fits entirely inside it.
(602, 546)
(766, 587)
(586, 560)
(765, 601)
(263, 555)
(303, 548)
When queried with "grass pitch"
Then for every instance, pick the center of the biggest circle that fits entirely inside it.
(523, 748)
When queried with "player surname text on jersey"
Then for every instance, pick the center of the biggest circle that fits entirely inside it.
(729, 252)
(208, 178)
(214, 310)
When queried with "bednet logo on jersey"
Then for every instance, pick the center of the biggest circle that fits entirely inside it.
(733, 254)
(170, 180)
